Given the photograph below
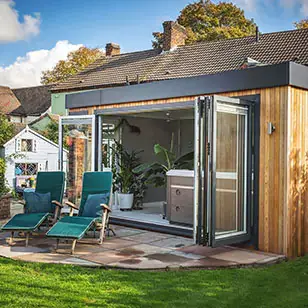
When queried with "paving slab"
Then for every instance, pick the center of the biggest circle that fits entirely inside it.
(133, 249)
(271, 260)
(78, 261)
(148, 237)
(42, 257)
(140, 263)
(124, 232)
(186, 255)
(105, 257)
(15, 251)
(240, 256)
(204, 250)
(208, 262)
(116, 243)
(80, 248)
(173, 242)
(4, 235)
(168, 258)
(142, 250)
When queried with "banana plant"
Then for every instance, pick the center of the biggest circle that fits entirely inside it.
(155, 172)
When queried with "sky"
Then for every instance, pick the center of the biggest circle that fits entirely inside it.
(36, 34)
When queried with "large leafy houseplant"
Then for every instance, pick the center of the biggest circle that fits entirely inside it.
(126, 181)
(155, 173)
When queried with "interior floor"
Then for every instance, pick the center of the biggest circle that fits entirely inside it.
(151, 213)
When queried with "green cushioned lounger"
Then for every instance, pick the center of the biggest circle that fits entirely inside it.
(75, 227)
(71, 227)
(47, 182)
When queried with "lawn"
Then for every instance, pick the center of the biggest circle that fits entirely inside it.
(42, 285)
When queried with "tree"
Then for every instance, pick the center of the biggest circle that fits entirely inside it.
(302, 24)
(76, 61)
(51, 131)
(208, 21)
(6, 133)
(6, 130)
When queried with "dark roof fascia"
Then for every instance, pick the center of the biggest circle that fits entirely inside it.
(298, 75)
(287, 73)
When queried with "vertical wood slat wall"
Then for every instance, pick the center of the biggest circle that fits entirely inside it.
(283, 167)
(297, 211)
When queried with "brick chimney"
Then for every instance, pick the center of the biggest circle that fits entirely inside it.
(112, 49)
(174, 35)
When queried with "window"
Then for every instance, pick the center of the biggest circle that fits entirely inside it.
(26, 168)
(107, 152)
(25, 145)
(108, 144)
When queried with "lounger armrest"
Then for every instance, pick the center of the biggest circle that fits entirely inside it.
(72, 205)
(57, 203)
(106, 207)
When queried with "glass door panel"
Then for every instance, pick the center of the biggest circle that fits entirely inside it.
(77, 151)
(229, 201)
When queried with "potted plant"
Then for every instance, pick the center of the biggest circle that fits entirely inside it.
(155, 172)
(125, 179)
(125, 195)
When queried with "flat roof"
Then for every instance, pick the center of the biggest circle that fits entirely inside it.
(288, 73)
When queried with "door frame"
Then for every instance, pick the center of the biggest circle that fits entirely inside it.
(215, 240)
(201, 232)
(74, 119)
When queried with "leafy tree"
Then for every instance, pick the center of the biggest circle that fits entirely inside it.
(6, 133)
(6, 130)
(208, 21)
(51, 132)
(302, 24)
(76, 61)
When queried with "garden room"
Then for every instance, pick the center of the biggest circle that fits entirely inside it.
(158, 156)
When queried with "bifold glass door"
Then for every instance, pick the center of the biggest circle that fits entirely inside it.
(225, 172)
(76, 151)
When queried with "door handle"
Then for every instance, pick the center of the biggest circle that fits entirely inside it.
(177, 192)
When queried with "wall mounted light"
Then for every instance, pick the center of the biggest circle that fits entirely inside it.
(270, 128)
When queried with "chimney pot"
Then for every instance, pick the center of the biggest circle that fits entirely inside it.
(113, 49)
(257, 34)
(174, 35)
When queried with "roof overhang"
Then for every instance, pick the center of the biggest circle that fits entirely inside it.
(288, 73)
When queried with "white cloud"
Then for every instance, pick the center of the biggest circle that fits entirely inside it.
(11, 29)
(304, 7)
(246, 5)
(303, 4)
(27, 70)
(252, 5)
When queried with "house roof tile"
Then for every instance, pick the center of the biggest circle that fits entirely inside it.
(8, 101)
(34, 100)
(201, 58)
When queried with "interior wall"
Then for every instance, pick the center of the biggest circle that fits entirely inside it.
(159, 131)
(186, 136)
(152, 131)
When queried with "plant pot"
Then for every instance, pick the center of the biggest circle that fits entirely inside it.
(126, 201)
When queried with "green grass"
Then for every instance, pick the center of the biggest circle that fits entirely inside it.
(43, 285)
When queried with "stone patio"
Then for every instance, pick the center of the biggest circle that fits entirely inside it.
(133, 249)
